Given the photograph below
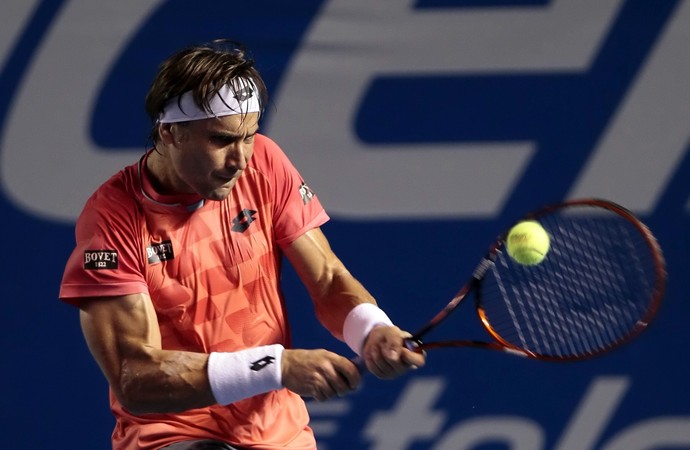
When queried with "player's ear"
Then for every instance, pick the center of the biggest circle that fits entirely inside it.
(165, 133)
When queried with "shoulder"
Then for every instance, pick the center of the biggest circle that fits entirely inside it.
(264, 142)
(267, 154)
(114, 201)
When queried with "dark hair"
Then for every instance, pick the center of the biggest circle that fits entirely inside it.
(202, 69)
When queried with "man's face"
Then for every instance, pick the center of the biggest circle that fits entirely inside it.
(208, 156)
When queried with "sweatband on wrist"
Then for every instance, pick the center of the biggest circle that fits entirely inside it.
(238, 375)
(359, 323)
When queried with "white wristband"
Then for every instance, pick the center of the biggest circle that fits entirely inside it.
(238, 375)
(359, 323)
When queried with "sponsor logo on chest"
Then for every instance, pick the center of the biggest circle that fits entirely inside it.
(157, 252)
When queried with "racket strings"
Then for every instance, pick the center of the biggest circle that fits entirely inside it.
(592, 289)
(598, 282)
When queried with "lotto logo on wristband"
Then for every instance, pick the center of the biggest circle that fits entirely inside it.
(100, 259)
(261, 363)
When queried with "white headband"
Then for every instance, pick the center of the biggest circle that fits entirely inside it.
(240, 98)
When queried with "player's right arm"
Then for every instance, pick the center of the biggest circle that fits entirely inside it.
(123, 335)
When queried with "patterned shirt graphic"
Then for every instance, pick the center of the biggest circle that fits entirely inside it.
(212, 271)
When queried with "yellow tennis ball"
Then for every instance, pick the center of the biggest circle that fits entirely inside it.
(528, 243)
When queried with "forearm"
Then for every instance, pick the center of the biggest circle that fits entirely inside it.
(331, 286)
(163, 381)
(172, 381)
(337, 298)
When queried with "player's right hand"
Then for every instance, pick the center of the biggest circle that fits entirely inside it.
(386, 354)
(318, 373)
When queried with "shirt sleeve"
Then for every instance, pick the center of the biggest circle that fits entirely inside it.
(296, 209)
(105, 260)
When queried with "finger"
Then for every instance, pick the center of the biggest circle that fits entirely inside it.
(326, 388)
(338, 386)
(350, 373)
(378, 369)
(373, 360)
(380, 365)
(406, 358)
(414, 359)
(393, 352)
(320, 395)
(342, 376)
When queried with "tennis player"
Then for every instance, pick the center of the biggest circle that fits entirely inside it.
(176, 272)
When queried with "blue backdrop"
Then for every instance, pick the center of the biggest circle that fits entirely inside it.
(424, 127)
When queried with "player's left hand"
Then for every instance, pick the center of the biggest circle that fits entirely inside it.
(386, 355)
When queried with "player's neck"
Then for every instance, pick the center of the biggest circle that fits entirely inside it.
(159, 174)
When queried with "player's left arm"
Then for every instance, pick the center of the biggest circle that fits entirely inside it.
(336, 292)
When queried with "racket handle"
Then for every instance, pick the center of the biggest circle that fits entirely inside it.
(360, 363)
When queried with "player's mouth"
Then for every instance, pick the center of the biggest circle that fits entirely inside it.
(225, 179)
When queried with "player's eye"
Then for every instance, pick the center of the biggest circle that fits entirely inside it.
(223, 140)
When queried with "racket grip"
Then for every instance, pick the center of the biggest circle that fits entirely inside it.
(360, 363)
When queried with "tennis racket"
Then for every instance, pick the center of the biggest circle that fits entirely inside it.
(599, 286)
